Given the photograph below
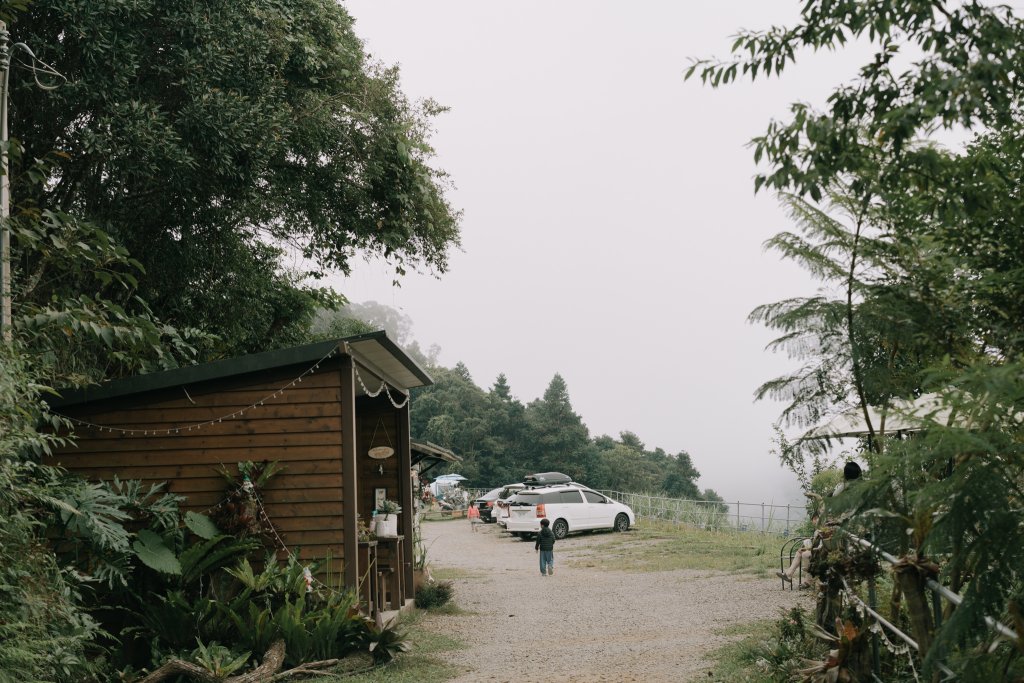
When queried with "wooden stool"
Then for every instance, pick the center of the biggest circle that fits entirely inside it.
(387, 595)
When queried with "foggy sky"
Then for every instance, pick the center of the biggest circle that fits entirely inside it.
(611, 233)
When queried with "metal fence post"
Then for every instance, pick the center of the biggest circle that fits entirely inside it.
(876, 662)
(737, 515)
(762, 518)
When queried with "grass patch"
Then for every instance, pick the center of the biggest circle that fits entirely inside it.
(451, 609)
(439, 516)
(662, 547)
(453, 573)
(737, 661)
(414, 666)
(769, 651)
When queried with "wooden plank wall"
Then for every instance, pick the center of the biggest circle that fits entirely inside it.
(301, 428)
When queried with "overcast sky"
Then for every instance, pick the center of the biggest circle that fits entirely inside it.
(611, 233)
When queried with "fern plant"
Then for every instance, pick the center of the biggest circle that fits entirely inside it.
(219, 661)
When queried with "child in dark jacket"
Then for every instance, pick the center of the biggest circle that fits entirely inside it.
(545, 545)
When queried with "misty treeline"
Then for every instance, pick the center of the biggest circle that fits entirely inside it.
(500, 439)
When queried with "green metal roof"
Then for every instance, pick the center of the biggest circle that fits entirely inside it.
(373, 350)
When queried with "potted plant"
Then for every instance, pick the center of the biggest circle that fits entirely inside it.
(363, 532)
(387, 518)
(420, 571)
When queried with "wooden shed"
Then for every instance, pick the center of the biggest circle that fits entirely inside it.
(318, 409)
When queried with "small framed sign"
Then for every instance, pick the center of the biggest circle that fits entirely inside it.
(379, 495)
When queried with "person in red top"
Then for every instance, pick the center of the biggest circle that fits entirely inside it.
(474, 516)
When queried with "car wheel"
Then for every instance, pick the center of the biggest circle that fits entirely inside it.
(621, 523)
(560, 529)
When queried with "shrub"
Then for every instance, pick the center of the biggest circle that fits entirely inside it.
(433, 595)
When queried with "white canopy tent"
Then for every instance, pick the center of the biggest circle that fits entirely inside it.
(901, 417)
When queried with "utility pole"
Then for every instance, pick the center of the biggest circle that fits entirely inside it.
(5, 189)
(36, 67)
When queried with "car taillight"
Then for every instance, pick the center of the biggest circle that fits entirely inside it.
(540, 510)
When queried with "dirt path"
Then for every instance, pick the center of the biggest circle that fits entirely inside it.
(585, 624)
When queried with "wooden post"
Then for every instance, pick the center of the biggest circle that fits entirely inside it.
(405, 490)
(350, 491)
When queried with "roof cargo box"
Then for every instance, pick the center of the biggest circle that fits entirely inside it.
(546, 479)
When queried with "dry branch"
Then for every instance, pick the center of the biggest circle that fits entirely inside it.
(264, 673)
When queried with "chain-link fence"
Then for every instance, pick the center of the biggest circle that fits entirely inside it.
(716, 515)
(784, 520)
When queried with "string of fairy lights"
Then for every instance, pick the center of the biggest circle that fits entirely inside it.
(236, 414)
(384, 388)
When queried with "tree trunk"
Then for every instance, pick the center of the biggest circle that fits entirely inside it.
(911, 576)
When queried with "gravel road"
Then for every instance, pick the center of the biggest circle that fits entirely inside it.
(585, 624)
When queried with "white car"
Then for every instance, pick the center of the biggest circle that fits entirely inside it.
(500, 511)
(569, 507)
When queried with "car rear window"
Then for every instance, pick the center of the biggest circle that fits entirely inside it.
(548, 497)
(527, 499)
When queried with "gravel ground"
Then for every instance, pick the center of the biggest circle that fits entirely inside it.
(585, 624)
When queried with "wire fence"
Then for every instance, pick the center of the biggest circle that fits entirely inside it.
(768, 518)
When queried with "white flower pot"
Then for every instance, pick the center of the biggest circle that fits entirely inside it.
(387, 525)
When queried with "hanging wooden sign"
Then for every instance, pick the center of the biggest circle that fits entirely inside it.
(381, 452)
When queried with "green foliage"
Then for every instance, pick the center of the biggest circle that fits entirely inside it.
(434, 594)
(45, 634)
(919, 250)
(966, 77)
(218, 660)
(155, 554)
(258, 129)
(386, 643)
(781, 656)
(201, 525)
(323, 629)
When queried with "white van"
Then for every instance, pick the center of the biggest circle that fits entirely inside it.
(569, 507)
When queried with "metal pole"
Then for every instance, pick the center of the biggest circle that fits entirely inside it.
(762, 518)
(5, 190)
(876, 661)
(737, 515)
(939, 588)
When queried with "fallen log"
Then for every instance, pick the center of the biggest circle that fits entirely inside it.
(264, 673)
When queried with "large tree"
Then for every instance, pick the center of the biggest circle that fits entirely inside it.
(556, 433)
(207, 137)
